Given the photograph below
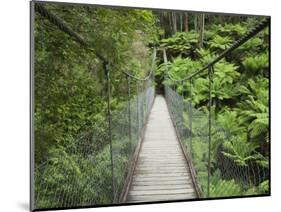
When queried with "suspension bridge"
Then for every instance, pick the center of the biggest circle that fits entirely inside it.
(161, 172)
(160, 162)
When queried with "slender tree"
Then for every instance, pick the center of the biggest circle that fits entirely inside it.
(174, 22)
(186, 21)
(195, 22)
(181, 22)
(201, 29)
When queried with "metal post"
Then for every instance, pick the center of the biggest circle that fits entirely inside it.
(190, 115)
(107, 72)
(152, 67)
(210, 70)
(144, 102)
(138, 118)
(129, 112)
(183, 109)
(142, 105)
(182, 92)
(32, 109)
(165, 74)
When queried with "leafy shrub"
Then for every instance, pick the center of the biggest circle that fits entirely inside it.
(180, 43)
(183, 67)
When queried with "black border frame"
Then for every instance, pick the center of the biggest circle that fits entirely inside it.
(32, 99)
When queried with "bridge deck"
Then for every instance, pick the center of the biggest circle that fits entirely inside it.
(161, 172)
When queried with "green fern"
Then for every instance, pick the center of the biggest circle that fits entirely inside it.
(223, 188)
(234, 30)
(253, 111)
(205, 55)
(220, 42)
(240, 151)
(229, 121)
(180, 41)
(262, 188)
(256, 64)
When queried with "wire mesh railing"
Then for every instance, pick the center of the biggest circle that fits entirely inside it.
(127, 126)
(222, 163)
(228, 177)
(91, 167)
(79, 176)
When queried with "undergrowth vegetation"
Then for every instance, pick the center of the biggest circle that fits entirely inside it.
(240, 107)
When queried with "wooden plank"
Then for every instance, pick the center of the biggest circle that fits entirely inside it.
(160, 163)
(166, 182)
(151, 179)
(159, 175)
(162, 150)
(161, 159)
(169, 169)
(161, 172)
(155, 160)
(161, 191)
(147, 198)
(160, 187)
(159, 167)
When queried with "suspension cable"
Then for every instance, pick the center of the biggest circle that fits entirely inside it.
(54, 19)
(234, 46)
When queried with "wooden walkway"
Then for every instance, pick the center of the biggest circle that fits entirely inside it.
(161, 171)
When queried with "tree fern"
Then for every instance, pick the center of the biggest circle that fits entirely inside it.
(256, 64)
(220, 187)
(240, 151)
(220, 42)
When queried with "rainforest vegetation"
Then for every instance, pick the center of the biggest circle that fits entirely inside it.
(72, 152)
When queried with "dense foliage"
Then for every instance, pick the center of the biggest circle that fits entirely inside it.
(71, 126)
(240, 94)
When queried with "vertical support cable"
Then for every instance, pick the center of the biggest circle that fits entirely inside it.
(210, 70)
(32, 95)
(140, 105)
(190, 116)
(107, 72)
(138, 118)
(129, 113)
(182, 92)
(143, 104)
(165, 74)
(152, 80)
(165, 59)
(183, 109)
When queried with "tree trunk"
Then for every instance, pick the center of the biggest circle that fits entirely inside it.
(195, 23)
(170, 22)
(181, 22)
(174, 20)
(201, 28)
(186, 22)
